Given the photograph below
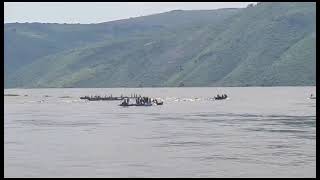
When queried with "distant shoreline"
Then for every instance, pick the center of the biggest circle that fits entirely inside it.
(158, 87)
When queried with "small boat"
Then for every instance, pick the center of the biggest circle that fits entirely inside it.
(219, 97)
(159, 103)
(65, 97)
(85, 97)
(312, 97)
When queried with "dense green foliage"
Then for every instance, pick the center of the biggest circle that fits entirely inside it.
(269, 44)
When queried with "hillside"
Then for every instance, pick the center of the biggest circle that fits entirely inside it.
(270, 44)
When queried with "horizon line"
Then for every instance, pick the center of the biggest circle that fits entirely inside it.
(68, 23)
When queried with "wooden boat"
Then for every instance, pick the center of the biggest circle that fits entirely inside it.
(125, 104)
(98, 98)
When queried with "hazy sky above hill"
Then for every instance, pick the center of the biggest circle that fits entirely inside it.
(96, 12)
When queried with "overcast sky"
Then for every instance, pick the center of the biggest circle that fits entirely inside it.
(96, 12)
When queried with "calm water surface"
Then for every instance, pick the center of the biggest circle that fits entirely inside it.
(258, 132)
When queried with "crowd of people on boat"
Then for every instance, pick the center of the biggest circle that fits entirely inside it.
(125, 102)
(223, 96)
(141, 101)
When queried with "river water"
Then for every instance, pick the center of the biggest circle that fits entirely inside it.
(257, 132)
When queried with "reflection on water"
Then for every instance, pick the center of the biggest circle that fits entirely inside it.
(52, 133)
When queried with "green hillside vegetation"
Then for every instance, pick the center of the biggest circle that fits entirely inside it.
(269, 44)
